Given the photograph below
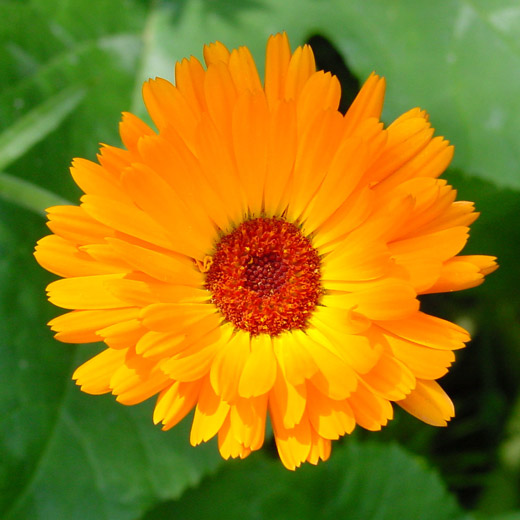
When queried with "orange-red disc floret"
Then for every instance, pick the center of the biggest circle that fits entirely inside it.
(265, 277)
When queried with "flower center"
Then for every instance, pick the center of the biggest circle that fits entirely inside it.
(265, 277)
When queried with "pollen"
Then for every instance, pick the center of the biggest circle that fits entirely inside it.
(265, 277)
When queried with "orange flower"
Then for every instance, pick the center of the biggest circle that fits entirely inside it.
(261, 254)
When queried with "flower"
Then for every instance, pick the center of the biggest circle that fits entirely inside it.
(261, 254)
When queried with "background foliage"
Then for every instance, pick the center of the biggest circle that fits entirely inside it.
(68, 69)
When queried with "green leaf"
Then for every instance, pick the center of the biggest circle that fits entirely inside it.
(362, 480)
(506, 516)
(28, 195)
(67, 455)
(37, 124)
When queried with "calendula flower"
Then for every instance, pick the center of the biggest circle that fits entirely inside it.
(260, 255)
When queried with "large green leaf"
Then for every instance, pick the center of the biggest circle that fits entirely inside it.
(66, 455)
(34, 126)
(376, 481)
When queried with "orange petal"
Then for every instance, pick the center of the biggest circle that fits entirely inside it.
(216, 52)
(127, 219)
(368, 103)
(94, 179)
(301, 67)
(282, 148)
(132, 129)
(168, 107)
(250, 143)
(61, 257)
(243, 71)
(166, 267)
(74, 224)
(190, 234)
(278, 56)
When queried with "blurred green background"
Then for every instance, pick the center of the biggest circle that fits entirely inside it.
(68, 68)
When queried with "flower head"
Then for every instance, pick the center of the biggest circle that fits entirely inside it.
(261, 254)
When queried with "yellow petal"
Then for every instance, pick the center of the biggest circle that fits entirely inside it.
(172, 317)
(209, 416)
(387, 299)
(175, 402)
(463, 272)
(259, 372)
(228, 365)
(355, 350)
(390, 378)
(85, 292)
(295, 362)
(330, 418)
(82, 326)
(287, 401)
(247, 421)
(124, 334)
(94, 375)
(228, 444)
(429, 403)
(133, 386)
(370, 411)
(429, 331)
(335, 377)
